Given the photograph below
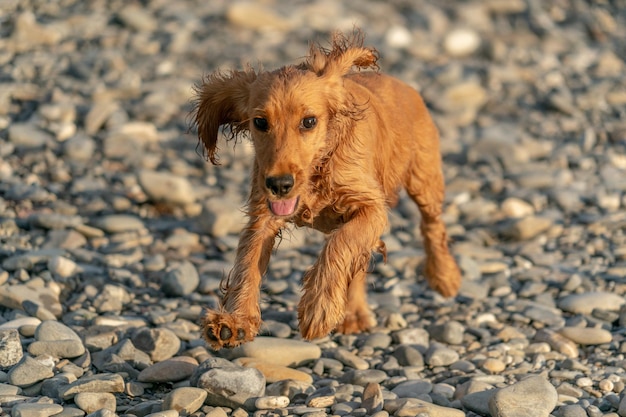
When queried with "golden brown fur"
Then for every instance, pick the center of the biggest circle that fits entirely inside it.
(333, 147)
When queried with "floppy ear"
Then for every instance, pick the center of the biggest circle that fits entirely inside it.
(221, 99)
(345, 53)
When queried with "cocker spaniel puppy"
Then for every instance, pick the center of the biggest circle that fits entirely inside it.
(333, 146)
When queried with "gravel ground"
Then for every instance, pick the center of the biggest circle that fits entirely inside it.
(115, 233)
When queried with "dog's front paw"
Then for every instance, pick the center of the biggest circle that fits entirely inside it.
(221, 329)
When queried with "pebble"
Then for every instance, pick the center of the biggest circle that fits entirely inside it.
(180, 279)
(587, 302)
(29, 371)
(533, 396)
(170, 370)
(100, 383)
(350, 359)
(283, 352)
(36, 410)
(91, 402)
(451, 332)
(461, 42)
(229, 385)
(415, 407)
(11, 352)
(166, 187)
(184, 400)
(586, 335)
(439, 355)
(273, 372)
(160, 343)
(271, 402)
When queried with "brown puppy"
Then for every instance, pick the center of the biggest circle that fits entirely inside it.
(333, 147)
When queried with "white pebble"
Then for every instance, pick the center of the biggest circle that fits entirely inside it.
(272, 402)
(461, 42)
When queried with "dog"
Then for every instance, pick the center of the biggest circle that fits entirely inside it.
(333, 146)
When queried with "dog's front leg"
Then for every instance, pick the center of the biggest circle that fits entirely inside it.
(346, 255)
(239, 317)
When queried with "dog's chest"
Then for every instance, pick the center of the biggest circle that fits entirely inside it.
(325, 219)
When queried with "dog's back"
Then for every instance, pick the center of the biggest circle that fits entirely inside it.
(396, 124)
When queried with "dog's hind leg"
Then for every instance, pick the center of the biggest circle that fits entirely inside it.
(425, 185)
(358, 317)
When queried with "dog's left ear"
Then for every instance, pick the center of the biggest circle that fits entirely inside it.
(221, 99)
(346, 52)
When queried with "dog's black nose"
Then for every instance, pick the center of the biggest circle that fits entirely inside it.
(281, 185)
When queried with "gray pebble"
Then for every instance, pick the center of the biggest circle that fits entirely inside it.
(11, 352)
(29, 371)
(533, 396)
(180, 279)
(439, 355)
(230, 385)
(160, 344)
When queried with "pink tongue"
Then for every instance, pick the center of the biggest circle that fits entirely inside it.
(283, 207)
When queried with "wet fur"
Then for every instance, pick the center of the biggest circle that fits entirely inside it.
(373, 136)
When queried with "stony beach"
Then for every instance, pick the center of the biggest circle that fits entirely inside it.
(115, 232)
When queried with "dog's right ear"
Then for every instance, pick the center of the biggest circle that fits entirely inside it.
(221, 99)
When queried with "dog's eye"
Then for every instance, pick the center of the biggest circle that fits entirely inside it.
(261, 124)
(308, 123)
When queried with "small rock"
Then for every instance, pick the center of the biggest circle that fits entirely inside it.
(180, 279)
(493, 365)
(229, 385)
(28, 136)
(137, 18)
(111, 299)
(530, 397)
(372, 398)
(160, 344)
(29, 371)
(450, 332)
(66, 348)
(222, 216)
(166, 187)
(118, 223)
(363, 377)
(289, 388)
(585, 303)
(285, 352)
(185, 400)
(461, 42)
(62, 266)
(170, 370)
(439, 355)
(408, 356)
(99, 383)
(412, 388)
(10, 348)
(256, 16)
(350, 359)
(586, 335)
(272, 372)
(90, 402)
(271, 402)
(528, 227)
(36, 410)
(478, 401)
(516, 208)
(415, 407)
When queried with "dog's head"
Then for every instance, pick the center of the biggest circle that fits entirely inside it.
(294, 116)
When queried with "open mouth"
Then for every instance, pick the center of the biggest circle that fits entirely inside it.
(284, 207)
